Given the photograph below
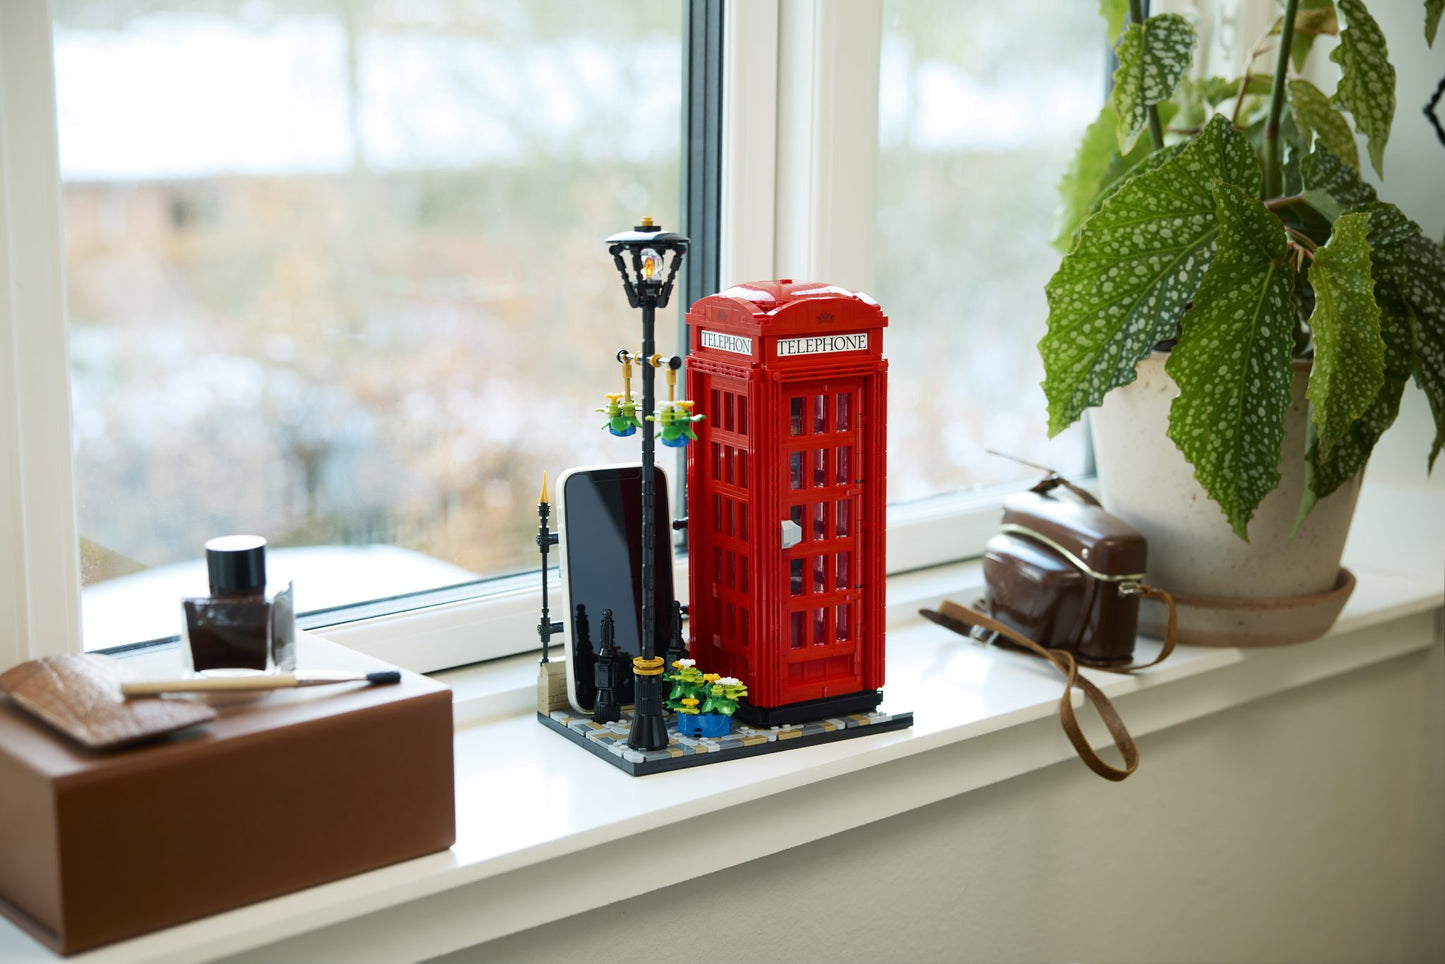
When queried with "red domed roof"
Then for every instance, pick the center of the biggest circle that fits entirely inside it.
(768, 296)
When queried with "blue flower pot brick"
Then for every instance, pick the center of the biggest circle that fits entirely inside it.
(704, 724)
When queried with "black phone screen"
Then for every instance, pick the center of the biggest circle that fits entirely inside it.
(602, 566)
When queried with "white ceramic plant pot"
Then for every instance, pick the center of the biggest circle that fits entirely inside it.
(1271, 589)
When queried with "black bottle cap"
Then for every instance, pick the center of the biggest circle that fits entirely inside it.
(236, 564)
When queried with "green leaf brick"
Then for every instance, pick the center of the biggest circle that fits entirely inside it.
(1367, 80)
(1315, 117)
(1232, 363)
(1323, 171)
(1433, 9)
(1138, 262)
(1152, 56)
(1349, 363)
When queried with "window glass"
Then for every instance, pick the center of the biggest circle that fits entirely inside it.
(980, 108)
(336, 277)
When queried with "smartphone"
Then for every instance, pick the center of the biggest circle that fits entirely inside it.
(599, 512)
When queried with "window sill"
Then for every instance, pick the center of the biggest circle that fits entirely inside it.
(541, 823)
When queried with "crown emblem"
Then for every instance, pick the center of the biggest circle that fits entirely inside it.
(825, 318)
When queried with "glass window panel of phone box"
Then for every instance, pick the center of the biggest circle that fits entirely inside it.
(334, 277)
(980, 107)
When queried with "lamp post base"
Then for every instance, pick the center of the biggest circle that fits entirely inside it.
(649, 726)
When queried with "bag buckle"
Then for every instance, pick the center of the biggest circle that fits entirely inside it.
(979, 634)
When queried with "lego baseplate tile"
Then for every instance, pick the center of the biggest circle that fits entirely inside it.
(609, 740)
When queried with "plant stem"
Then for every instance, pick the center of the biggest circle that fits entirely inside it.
(1273, 170)
(1254, 54)
(1276, 203)
(1302, 241)
(1156, 129)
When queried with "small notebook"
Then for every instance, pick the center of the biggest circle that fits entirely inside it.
(79, 695)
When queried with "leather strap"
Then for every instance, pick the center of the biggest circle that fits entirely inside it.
(1053, 480)
(1063, 660)
(1171, 631)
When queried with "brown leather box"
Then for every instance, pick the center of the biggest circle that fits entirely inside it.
(281, 791)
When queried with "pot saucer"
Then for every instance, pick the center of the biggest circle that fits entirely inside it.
(1226, 621)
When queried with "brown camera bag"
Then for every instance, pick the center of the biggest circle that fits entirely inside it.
(1063, 579)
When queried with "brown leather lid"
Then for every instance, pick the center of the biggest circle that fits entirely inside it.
(1103, 542)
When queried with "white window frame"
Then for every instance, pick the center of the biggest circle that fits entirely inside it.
(799, 200)
(40, 558)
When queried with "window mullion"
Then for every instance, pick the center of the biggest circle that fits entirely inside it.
(749, 162)
(39, 564)
(827, 141)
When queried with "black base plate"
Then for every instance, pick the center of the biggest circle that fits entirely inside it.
(609, 740)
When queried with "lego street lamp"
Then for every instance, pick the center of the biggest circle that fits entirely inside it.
(641, 256)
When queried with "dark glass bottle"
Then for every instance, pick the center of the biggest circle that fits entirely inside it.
(240, 625)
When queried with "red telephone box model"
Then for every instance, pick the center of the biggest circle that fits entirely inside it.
(786, 488)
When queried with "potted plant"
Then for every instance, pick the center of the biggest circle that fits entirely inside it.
(704, 702)
(1235, 262)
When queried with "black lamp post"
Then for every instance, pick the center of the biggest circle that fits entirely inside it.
(641, 256)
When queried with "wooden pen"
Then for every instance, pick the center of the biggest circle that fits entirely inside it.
(257, 683)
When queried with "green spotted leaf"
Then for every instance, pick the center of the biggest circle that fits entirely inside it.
(1152, 56)
(1316, 117)
(1409, 270)
(1084, 184)
(1232, 362)
(1087, 173)
(1390, 235)
(1324, 474)
(1433, 9)
(1139, 161)
(1425, 295)
(1349, 363)
(1367, 80)
(1137, 265)
(1323, 171)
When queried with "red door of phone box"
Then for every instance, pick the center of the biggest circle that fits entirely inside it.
(787, 484)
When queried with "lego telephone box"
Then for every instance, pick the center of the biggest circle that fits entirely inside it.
(786, 496)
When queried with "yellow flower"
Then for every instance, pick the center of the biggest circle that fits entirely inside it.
(689, 701)
(711, 677)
